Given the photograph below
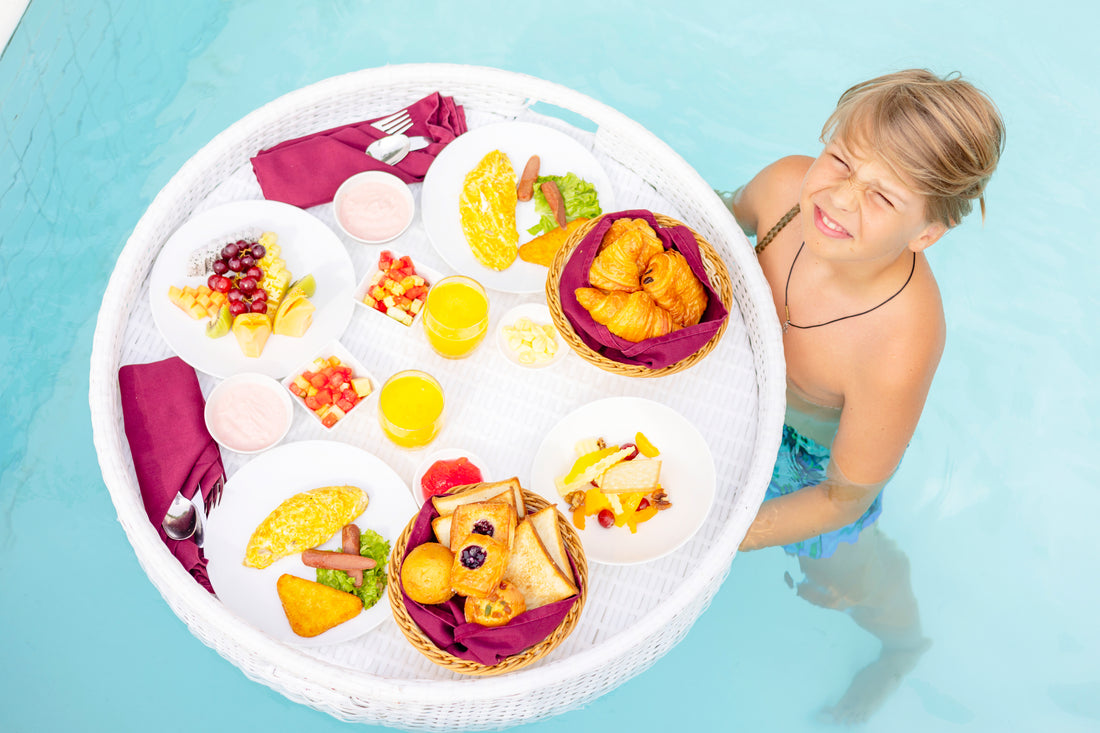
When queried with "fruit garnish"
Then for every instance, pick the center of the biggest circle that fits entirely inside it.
(615, 484)
(648, 449)
(220, 324)
(305, 285)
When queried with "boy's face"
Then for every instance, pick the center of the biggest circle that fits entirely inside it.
(860, 210)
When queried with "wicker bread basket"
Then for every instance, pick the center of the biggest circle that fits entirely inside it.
(425, 646)
(716, 273)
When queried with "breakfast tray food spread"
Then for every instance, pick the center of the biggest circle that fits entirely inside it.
(633, 614)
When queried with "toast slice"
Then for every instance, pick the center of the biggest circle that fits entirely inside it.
(545, 522)
(447, 503)
(313, 608)
(531, 569)
(497, 519)
(441, 525)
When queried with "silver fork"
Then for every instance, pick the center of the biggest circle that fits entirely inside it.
(395, 124)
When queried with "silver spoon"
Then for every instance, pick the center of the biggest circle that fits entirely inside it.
(182, 520)
(392, 149)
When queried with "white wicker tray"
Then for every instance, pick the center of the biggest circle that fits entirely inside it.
(634, 614)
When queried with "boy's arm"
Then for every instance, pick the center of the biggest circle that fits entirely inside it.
(881, 408)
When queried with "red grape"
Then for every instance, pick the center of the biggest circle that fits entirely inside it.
(259, 306)
(633, 453)
(259, 294)
(221, 284)
(247, 261)
(235, 264)
(606, 518)
(220, 268)
(234, 295)
(230, 251)
(255, 272)
(237, 307)
(258, 251)
(247, 284)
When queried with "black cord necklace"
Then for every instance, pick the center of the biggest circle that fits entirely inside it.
(787, 323)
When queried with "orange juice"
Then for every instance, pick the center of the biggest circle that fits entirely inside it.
(410, 408)
(456, 316)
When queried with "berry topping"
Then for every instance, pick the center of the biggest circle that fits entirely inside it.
(483, 526)
(473, 557)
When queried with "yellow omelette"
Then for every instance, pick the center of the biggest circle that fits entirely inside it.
(303, 521)
(487, 208)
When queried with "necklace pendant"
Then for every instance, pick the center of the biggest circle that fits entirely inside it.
(786, 325)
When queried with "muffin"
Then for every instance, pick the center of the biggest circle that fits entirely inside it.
(426, 573)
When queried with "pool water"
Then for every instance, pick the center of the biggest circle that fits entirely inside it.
(994, 504)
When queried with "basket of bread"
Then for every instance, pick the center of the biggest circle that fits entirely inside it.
(639, 294)
(487, 579)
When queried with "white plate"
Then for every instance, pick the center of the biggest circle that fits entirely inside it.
(259, 487)
(539, 314)
(558, 154)
(687, 475)
(445, 454)
(307, 245)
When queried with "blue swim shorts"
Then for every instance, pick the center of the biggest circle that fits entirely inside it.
(801, 463)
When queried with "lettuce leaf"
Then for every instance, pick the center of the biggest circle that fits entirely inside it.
(580, 198)
(371, 544)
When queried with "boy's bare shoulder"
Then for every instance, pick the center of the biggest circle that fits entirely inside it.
(772, 192)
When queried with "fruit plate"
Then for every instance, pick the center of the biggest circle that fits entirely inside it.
(261, 485)
(559, 154)
(687, 475)
(307, 245)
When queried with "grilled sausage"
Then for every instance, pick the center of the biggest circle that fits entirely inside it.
(525, 189)
(350, 541)
(336, 560)
(557, 203)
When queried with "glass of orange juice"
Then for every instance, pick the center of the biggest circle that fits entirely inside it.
(456, 316)
(410, 408)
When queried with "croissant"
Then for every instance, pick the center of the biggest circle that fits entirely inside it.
(622, 260)
(673, 286)
(632, 316)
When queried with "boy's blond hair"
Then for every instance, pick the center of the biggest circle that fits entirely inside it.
(941, 135)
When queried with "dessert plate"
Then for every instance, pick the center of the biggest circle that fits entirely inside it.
(687, 475)
(558, 154)
(260, 486)
(307, 245)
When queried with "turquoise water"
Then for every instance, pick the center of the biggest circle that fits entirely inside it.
(995, 503)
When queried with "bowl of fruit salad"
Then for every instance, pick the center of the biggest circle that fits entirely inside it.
(397, 288)
(331, 385)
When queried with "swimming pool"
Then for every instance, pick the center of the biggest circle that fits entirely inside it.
(993, 503)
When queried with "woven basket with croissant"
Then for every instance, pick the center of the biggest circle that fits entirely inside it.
(642, 292)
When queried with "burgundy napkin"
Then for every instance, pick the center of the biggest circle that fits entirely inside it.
(445, 624)
(162, 408)
(655, 353)
(307, 171)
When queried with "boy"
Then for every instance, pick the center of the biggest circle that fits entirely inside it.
(863, 330)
